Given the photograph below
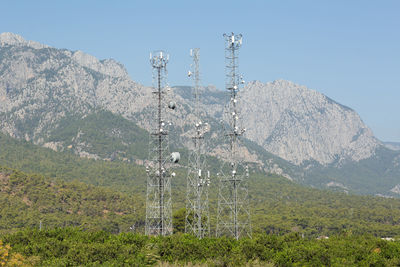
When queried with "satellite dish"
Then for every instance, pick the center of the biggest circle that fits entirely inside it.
(175, 157)
(172, 105)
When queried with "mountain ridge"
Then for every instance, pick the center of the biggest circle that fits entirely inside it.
(300, 124)
(296, 132)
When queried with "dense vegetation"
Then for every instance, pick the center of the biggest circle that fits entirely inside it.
(104, 197)
(102, 133)
(360, 177)
(25, 156)
(277, 206)
(74, 247)
(36, 201)
(10, 258)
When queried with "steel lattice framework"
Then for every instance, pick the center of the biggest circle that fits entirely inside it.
(198, 179)
(158, 197)
(233, 218)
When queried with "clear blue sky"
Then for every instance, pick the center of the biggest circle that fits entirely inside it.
(348, 50)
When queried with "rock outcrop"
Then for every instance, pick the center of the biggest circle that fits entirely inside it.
(297, 132)
(299, 124)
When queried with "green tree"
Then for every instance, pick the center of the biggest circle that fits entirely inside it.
(178, 220)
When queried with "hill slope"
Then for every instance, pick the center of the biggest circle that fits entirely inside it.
(33, 200)
(276, 204)
(71, 101)
(50, 96)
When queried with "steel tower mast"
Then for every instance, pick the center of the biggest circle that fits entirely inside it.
(197, 220)
(158, 197)
(233, 218)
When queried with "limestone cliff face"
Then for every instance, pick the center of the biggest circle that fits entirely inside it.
(39, 85)
(299, 124)
(296, 132)
(8, 38)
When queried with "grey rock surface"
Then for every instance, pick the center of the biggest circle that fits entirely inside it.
(294, 131)
(299, 124)
(288, 120)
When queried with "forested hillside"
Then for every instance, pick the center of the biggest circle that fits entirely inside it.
(35, 201)
(25, 156)
(100, 135)
(277, 205)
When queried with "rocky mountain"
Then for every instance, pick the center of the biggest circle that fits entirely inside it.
(296, 123)
(34, 76)
(71, 101)
(8, 38)
(315, 140)
(41, 86)
(42, 89)
(299, 124)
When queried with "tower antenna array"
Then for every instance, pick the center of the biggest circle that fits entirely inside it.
(198, 180)
(158, 197)
(233, 218)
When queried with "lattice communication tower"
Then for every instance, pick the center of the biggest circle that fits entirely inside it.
(233, 218)
(197, 220)
(158, 197)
